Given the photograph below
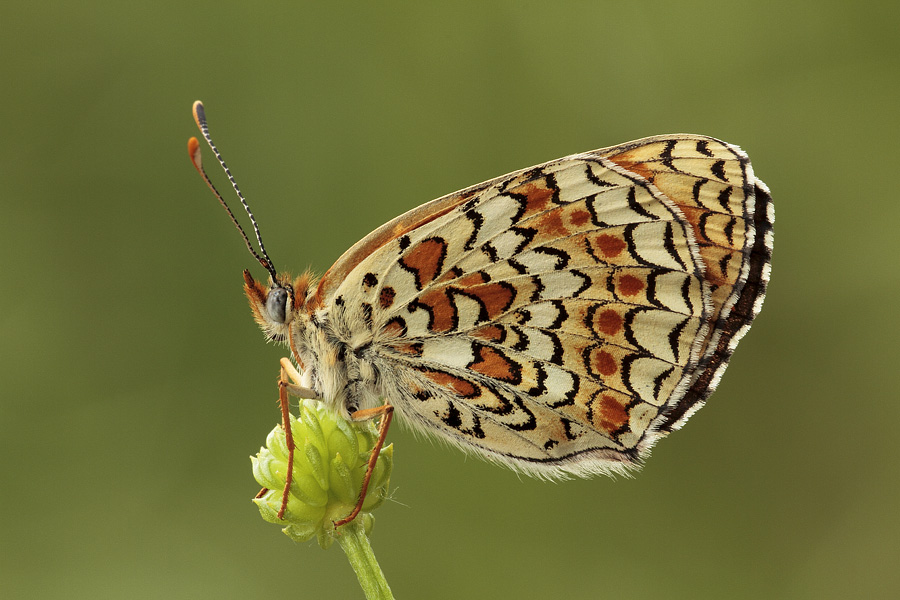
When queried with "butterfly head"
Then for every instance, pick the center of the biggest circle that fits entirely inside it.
(275, 305)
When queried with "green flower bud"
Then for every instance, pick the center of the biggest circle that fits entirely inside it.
(330, 458)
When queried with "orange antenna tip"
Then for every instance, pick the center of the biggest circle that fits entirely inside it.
(194, 151)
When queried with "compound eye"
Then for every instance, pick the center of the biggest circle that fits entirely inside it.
(277, 305)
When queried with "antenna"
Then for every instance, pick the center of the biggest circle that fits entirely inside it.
(194, 151)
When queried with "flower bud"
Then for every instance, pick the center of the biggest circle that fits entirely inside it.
(330, 459)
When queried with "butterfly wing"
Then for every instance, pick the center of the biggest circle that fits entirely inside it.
(731, 214)
(562, 318)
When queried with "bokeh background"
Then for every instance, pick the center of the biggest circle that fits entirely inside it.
(134, 384)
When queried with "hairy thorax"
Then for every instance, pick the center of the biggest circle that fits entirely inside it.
(337, 360)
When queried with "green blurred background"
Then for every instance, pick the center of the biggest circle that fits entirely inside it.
(135, 384)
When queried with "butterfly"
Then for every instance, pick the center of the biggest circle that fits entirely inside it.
(558, 320)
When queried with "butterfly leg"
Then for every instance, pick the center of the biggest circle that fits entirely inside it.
(386, 412)
(285, 387)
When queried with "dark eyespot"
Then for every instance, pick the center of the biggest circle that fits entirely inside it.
(277, 304)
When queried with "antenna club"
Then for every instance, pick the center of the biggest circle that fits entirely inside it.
(199, 114)
(194, 152)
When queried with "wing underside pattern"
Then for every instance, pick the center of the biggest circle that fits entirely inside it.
(562, 318)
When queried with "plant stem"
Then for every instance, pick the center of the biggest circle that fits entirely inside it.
(356, 545)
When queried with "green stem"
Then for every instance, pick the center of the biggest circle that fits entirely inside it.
(353, 540)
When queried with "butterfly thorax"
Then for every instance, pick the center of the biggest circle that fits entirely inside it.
(336, 359)
(334, 355)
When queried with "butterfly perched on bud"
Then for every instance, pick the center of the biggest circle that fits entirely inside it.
(559, 320)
